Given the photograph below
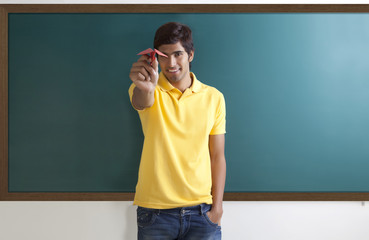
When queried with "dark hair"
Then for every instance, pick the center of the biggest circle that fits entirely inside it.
(173, 32)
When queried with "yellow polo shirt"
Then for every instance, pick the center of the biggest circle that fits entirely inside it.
(175, 169)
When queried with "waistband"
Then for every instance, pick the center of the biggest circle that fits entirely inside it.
(194, 210)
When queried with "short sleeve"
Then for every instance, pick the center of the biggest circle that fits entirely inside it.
(130, 93)
(219, 126)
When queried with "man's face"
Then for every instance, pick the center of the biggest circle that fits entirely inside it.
(177, 66)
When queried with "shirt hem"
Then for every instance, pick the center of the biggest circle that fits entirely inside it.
(217, 133)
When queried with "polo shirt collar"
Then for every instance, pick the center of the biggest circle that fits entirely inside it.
(165, 85)
(196, 84)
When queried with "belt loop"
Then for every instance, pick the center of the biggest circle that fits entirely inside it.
(202, 208)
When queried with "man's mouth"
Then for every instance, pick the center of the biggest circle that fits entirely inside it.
(173, 70)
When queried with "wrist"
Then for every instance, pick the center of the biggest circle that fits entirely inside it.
(217, 202)
(217, 208)
(144, 90)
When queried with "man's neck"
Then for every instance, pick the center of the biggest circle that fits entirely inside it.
(183, 84)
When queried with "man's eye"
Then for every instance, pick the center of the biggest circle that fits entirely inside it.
(177, 54)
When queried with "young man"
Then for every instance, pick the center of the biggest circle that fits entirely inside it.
(182, 171)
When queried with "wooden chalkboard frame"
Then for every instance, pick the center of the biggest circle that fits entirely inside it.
(150, 8)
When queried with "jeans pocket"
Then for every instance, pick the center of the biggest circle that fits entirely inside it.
(145, 217)
(205, 215)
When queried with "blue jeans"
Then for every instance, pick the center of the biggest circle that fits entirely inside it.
(187, 223)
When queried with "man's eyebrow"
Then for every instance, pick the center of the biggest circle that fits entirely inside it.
(179, 51)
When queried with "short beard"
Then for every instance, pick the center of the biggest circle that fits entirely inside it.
(175, 79)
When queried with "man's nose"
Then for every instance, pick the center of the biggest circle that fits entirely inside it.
(172, 61)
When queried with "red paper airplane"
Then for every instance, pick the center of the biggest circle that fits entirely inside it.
(151, 53)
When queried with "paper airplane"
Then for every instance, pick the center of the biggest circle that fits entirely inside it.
(151, 53)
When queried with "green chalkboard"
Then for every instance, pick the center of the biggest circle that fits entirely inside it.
(296, 87)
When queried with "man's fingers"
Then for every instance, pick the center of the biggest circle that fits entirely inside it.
(140, 76)
(144, 58)
(145, 68)
(142, 68)
(144, 64)
(155, 65)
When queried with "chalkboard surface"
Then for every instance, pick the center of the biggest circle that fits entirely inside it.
(296, 87)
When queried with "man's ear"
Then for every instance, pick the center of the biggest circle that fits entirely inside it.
(191, 55)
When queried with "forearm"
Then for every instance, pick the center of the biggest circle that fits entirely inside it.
(142, 99)
(218, 171)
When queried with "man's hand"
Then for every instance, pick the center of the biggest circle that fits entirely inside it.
(215, 215)
(144, 75)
